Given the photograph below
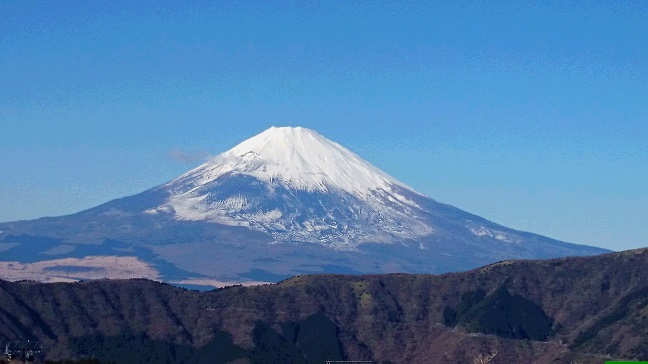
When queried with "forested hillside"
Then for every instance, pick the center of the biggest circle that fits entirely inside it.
(584, 309)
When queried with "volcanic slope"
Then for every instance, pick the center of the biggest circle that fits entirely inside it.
(287, 201)
(584, 309)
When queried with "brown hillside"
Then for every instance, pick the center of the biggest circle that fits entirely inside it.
(596, 307)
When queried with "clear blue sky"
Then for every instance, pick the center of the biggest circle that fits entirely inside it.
(531, 114)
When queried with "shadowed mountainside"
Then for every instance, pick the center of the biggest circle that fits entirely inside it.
(585, 309)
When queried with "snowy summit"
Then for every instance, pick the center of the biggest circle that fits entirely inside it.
(294, 184)
(299, 158)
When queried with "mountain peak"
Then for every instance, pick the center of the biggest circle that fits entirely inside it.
(286, 134)
(296, 185)
(298, 158)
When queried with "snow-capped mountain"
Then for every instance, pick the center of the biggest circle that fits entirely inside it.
(284, 202)
(296, 185)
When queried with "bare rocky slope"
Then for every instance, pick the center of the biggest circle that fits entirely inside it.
(583, 309)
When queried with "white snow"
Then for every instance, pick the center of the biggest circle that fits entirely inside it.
(299, 159)
(481, 230)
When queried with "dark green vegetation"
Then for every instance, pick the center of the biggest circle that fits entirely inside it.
(82, 361)
(573, 309)
(140, 348)
(313, 340)
(501, 314)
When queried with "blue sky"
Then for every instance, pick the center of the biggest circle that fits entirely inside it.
(531, 114)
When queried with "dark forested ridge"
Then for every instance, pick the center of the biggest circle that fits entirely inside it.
(573, 309)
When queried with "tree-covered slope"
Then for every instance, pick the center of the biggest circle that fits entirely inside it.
(516, 311)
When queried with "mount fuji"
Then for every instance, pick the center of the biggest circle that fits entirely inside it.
(295, 185)
(287, 201)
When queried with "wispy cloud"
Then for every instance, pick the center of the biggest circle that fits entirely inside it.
(187, 157)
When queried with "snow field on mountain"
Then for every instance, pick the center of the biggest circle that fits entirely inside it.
(299, 160)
